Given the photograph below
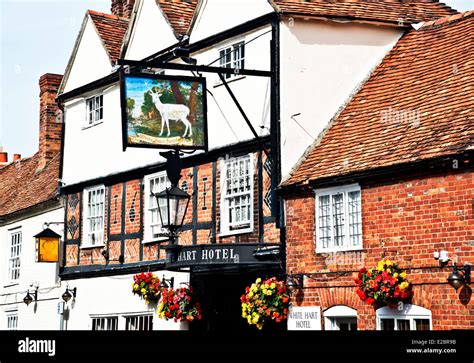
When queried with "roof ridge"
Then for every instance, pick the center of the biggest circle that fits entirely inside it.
(447, 19)
(110, 16)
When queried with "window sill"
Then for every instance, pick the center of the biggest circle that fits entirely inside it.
(87, 247)
(156, 240)
(230, 80)
(346, 249)
(92, 125)
(236, 232)
(11, 284)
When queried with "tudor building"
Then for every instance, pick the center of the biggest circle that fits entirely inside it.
(263, 111)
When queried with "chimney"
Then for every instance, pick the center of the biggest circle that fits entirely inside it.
(50, 118)
(16, 157)
(3, 157)
(122, 8)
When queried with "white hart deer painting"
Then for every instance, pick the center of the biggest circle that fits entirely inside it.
(164, 111)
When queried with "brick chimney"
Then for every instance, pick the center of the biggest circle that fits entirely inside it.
(122, 8)
(50, 119)
(3, 157)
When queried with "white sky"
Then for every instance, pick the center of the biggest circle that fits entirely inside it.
(37, 37)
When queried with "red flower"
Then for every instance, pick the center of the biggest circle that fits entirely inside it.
(358, 281)
(361, 294)
(378, 278)
(370, 301)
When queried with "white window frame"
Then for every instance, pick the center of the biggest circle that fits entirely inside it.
(106, 317)
(85, 221)
(409, 312)
(12, 317)
(148, 236)
(232, 64)
(225, 229)
(95, 118)
(122, 319)
(336, 314)
(14, 256)
(333, 191)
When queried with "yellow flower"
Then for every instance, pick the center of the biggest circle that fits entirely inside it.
(136, 287)
(403, 275)
(388, 263)
(143, 291)
(404, 285)
(273, 285)
(249, 319)
(395, 275)
(389, 270)
(258, 280)
(250, 294)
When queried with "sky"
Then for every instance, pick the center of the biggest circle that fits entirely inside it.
(37, 37)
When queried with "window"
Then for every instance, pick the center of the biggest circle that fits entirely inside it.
(95, 110)
(154, 184)
(12, 319)
(105, 323)
(139, 322)
(94, 207)
(340, 318)
(14, 257)
(338, 219)
(411, 317)
(232, 57)
(237, 195)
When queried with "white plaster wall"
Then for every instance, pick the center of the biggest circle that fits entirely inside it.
(91, 61)
(41, 315)
(151, 32)
(216, 16)
(322, 63)
(97, 151)
(106, 296)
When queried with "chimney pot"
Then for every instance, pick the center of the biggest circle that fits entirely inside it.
(16, 157)
(122, 8)
(3, 157)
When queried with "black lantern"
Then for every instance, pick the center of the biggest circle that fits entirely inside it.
(172, 206)
(294, 282)
(166, 283)
(456, 279)
(47, 246)
(67, 294)
(28, 299)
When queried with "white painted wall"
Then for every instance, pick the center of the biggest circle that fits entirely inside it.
(322, 63)
(91, 61)
(151, 32)
(111, 296)
(43, 314)
(97, 151)
(216, 16)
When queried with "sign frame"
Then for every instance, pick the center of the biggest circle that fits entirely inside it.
(123, 104)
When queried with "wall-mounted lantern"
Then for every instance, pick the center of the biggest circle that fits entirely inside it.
(294, 282)
(69, 293)
(166, 283)
(47, 246)
(460, 276)
(28, 299)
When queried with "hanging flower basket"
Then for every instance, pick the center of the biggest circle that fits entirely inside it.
(179, 304)
(265, 302)
(384, 285)
(146, 285)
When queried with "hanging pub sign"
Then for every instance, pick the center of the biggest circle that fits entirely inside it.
(163, 112)
(47, 246)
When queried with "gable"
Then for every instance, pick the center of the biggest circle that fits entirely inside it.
(150, 32)
(89, 60)
(215, 16)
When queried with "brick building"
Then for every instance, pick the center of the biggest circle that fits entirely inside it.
(392, 177)
(29, 197)
(110, 218)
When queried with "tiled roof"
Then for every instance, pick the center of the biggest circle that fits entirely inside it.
(417, 105)
(390, 11)
(22, 186)
(179, 13)
(111, 30)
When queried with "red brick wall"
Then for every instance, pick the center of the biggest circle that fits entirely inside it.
(133, 221)
(406, 221)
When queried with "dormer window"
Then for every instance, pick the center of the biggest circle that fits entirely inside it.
(95, 110)
(232, 57)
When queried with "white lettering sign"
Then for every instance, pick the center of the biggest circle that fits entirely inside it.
(304, 318)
